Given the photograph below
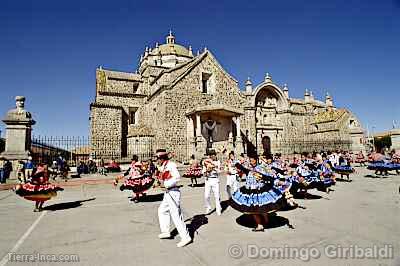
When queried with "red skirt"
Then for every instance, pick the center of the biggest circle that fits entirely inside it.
(193, 172)
(138, 185)
(37, 192)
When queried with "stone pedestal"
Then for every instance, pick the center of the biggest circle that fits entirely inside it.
(239, 146)
(395, 136)
(18, 132)
(201, 146)
(357, 138)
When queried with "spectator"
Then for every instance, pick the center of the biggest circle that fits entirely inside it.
(102, 169)
(29, 166)
(21, 172)
(2, 170)
(92, 167)
(82, 168)
(7, 169)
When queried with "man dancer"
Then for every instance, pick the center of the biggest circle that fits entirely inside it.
(232, 182)
(211, 170)
(170, 206)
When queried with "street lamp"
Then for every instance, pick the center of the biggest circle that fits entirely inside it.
(373, 138)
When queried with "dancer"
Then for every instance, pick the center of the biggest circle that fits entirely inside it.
(382, 165)
(170, 206)
(344, 168)
(211, 171)
(194, 170)
(360, 158)
(325, 173)
(138, 179)
(232, 178)
(38, 188)
(260, 194)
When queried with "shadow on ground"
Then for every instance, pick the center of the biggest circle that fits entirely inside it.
(196, 222)
(306, 195)
(66, 205)
(376, 176)
(340, 179)
(275, 221)
(197, 185)
(152, 198)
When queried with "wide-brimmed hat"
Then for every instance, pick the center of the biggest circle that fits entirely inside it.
(211, 152)
(161, 154)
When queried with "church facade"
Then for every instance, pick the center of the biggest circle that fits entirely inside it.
(188, 103)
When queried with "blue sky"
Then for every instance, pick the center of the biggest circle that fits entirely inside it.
(49, 50)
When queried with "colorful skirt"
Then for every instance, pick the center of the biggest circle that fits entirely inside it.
(255, 201)
(381, 166)
(343, 169)
(36, 192)
(138, 185)
(360, 160)
(312, 181)
(193, 172)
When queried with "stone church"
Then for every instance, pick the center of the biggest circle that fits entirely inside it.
(187, 103)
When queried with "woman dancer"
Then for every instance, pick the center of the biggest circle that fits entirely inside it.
(138, 178)
(38, 188)
(260, 195)
(194, 170)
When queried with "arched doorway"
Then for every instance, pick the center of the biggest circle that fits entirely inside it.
(266, 143)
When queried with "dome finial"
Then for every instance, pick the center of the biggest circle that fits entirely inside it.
(286, 90)
(170, 38)
(190, 51)
(248, 81)
(268, 78)
(249, 86)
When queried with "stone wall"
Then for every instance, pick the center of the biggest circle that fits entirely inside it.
(106, 131)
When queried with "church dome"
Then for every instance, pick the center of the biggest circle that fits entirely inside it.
(173, 48)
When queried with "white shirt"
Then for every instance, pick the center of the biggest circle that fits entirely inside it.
(214, 173)
(175, 176)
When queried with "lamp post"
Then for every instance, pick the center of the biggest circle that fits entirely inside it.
(373, 138)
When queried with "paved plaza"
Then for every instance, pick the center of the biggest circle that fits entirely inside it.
(99, 224)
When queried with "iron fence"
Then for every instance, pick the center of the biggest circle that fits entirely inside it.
(296, 146)
(74, 149)
(46, 149)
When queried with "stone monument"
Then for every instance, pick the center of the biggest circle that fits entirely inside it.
(395, 136)
(18, 132)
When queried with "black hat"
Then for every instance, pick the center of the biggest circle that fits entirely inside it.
(211, 152)
(162, 154)
(252, 155)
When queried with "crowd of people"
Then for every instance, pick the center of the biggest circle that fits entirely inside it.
(255, 185)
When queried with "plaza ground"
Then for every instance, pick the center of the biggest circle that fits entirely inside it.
(98, 223)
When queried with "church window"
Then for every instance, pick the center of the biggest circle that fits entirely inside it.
(205, 82)
(133, 115)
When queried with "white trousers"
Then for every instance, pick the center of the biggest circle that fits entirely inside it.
(212, 184)
(170, 208)
(231, 184)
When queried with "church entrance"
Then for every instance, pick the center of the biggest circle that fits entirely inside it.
(266, 143)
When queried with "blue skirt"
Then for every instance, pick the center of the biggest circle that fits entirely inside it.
(343, 169)
(381, 166)
(263, 200)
